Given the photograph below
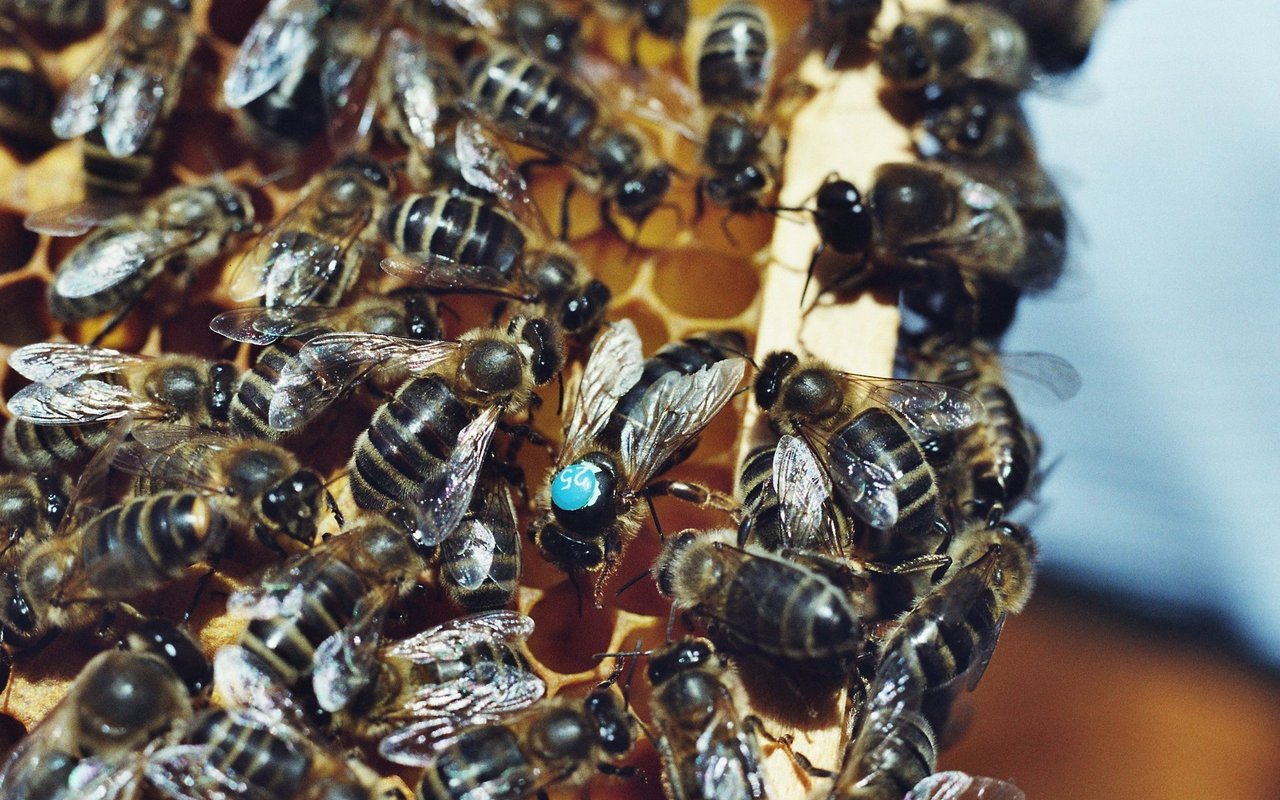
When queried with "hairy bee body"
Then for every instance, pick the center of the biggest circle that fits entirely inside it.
(464, 229)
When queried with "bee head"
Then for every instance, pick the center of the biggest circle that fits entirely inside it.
(421, 315)
(584, 495)
(17, 615)
(640, 195)
(540, 29)
(613, 724)
(688, 654)
(125, 698)
(666, 19)
(166, 641)
(546, 344)
(293, 505)
(843, 220)
(773, 373)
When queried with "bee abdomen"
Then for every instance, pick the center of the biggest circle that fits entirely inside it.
(477, 757)
(252, 401)
(520, 94)
(732, 66)
(877, 436)
(48, 447)
(463, 229)
(106, 175)
(407, 443)
(138, 545)
(251, 754)
(789, 613)
(288, 644)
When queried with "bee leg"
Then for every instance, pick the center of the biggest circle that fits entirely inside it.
(615, 771)
(699, 199)
(115, 320)
(332, 505)
(757, 728)
(692, 493)
(633, 47)
(6, 669)
(201, 585)
(813, 265)
(569, 189)
(527, 168)
(724, 229)
(263, 535)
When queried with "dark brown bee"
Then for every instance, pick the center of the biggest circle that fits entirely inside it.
(31, 509)
(557, 743)
(664, 19)
(993, 465)
(1061, 31)
(539, 28)
(305, 68)
(591, 506)
(480, 565)
(801, 609)
(862, 431)
(65, 416)
(708, 749)
(27, 97)
(122, 101)
(313, 254)
(786, 502)
(97, 734)
(963, 46)
(284, 331)
(160, 248)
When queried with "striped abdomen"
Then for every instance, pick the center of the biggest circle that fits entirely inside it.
(733, 63)
(50, 447)
(26, 103)
(481, 755)
(760, 510)
(780, 609)
(463, 229)
(117, 296)
(265, 764)
(878, 437)
(257, 386)
(328, 292)
(492, 510)
(106, 175)
(1001, 451)
(532, 102)
(138, 545)
(287, 644)
(406, 444)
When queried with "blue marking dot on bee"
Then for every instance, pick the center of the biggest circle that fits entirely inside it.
(576, 486)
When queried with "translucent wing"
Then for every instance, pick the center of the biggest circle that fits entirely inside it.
(955, 785)
(1042, 377)
(347, 76)
(263, 326)
(658, 96)
(443, 507)
(866, 488)
(280, 590)
(487, 166)
(672, 412)
(438, 272)
(244, 681)
(414, 78)
(105, 261)
(178, 455)
(894, 731)
(467, 556)
(192, 772)
(933, 408)
(346, 661)
(110, 777)
(59, 363)
(615, 365)
(76, 403)
(278, 44)
(76, 219)
(138, 99)
(82, 104)
(803, 489)
(477, 13)
(331, 364)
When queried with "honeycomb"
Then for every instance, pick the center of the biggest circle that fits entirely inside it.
(681, 278)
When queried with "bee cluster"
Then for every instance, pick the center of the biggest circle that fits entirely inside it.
(330, 401)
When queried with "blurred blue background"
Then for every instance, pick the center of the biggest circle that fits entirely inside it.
(1168, 149)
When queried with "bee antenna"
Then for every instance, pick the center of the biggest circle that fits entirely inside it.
(577, 590)
(560, 397)
(728, 234)
(630, 583)
(270, 178)
(212, 158)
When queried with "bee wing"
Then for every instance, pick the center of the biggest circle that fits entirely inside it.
(672, 412)
(443, 507)
(347, 78)
(449, 641)
(193, 772)
(107, 777)
(244, 682)
(956, 785)
(76, 403)
(331, 364)
(411, 77)
(657, 96)
(615, 365)
(59, 363)
(346, 661)
(1042, 377)
(139, 98)
(467, 556)
(76, 219)
(279, 43)
(83, 103)
(288, 266)
(893, 723)
(477, 13)
(487, 166)
(105, 261)
(281, 590)
(802, 487)
(174, 454)
(263, 326)
(865, 487)
(89, 493)
(444, 274)
(933, 408)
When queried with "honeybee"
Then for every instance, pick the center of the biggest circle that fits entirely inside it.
(539, 28)
(741, 591)
(122, 101)
(304, 68)
(956, 785)
(480, 564)
(163, 247)
(284, 331)
(416, 696)
(31, 507)
(707, 748)
(418, 94)
(94, 740)
(1061, 31)
(560, 742)
(861, 431)
(535, 104)
(994, 464)
(79, 391)
(664, 19)
(26, 93)
(256, 485)
(63, 16)
(313, 254)
(461, 242)
(968, 45)
(786, 501)
(244, 753)
(592, 505)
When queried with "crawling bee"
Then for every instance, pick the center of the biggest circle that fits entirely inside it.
(64, 417)
(963, 46)
(313, 254)
(156, 252)
(122, 101)
(592, 505)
